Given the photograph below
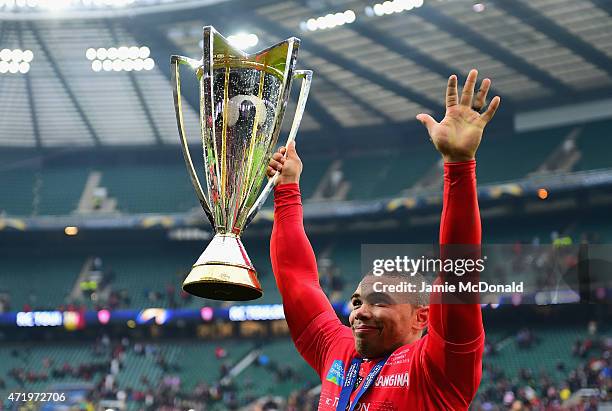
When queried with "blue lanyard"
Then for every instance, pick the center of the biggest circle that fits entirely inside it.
(349, 383)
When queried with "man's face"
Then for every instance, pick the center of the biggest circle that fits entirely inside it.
(382, 322)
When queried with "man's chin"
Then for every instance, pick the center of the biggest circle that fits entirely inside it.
(366, 349)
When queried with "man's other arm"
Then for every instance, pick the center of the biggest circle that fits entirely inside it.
(455, 333)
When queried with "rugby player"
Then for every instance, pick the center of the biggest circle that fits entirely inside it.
(383, 361)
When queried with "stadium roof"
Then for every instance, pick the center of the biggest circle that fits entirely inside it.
(376, 71)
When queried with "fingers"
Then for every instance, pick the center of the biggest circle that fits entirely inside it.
(468, 89)
(291, 151)
(427, 121)
(276, 165)
(488, 115)
(451, 91)
(278, 156)
(276, 162)
(270, 172)
(481, 96)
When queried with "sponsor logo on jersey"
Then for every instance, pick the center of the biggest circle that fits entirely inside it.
(393, 380)
(399, 358)
(336, 373)
(333, 402)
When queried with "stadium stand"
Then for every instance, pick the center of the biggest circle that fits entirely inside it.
(522, 154)
(317, 169)
(150, 275)
(60, 190)
(279, 370)
(592, 146)
(540, 359)
(385, 174)
(48, 279)
(20, 185)
(150, 188)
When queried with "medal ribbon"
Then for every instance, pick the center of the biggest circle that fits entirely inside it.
(349, 383)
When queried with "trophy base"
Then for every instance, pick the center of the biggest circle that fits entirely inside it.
(224, 272)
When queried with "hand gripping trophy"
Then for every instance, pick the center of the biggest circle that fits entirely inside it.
(242, 103)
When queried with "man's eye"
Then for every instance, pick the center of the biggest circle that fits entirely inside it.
(356, 303)
(380, 304)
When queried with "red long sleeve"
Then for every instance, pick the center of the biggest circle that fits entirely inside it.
(459, 225)
(456, 333)
(307, 309)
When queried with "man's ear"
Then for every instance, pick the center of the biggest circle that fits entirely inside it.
(421, 317)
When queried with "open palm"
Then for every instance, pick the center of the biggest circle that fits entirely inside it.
(458, 135)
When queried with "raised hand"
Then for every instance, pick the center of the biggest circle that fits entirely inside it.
(287, 162)
(458, 135)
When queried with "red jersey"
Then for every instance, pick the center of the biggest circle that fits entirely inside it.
(440, 371)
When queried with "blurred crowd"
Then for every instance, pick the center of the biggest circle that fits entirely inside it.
(170, 392)
(581, 388)
(562, 388)
(525, 392)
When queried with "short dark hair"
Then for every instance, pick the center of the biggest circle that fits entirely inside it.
(417, 298)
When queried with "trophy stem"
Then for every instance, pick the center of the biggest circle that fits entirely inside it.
(224, 272)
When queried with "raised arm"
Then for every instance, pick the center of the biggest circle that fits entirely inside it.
(456, 331)
(312, 321)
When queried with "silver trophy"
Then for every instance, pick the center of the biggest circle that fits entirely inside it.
(242, 103)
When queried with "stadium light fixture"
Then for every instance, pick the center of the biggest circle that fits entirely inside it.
(71, 231)
(138, 64)
(478, 7)
(91, 54)
(24, 67)
(133, 52)
(243, 41)
(57, 5)
(6, 55)
(13, 67)
(144, 52)
(15, 61)
(28, 56)
(393, 6)
(107, 65)
(328, 21)
(148, 64)
(123, 58)
(542, 194)
(112, 53)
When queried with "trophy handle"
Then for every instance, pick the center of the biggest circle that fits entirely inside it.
(306, 76)
(176, 84)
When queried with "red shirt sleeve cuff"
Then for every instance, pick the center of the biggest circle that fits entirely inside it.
(286, 194)
(460, 168)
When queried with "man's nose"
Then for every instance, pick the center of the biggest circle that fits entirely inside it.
(363, 312)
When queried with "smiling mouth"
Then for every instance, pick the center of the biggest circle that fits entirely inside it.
(364, 329)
